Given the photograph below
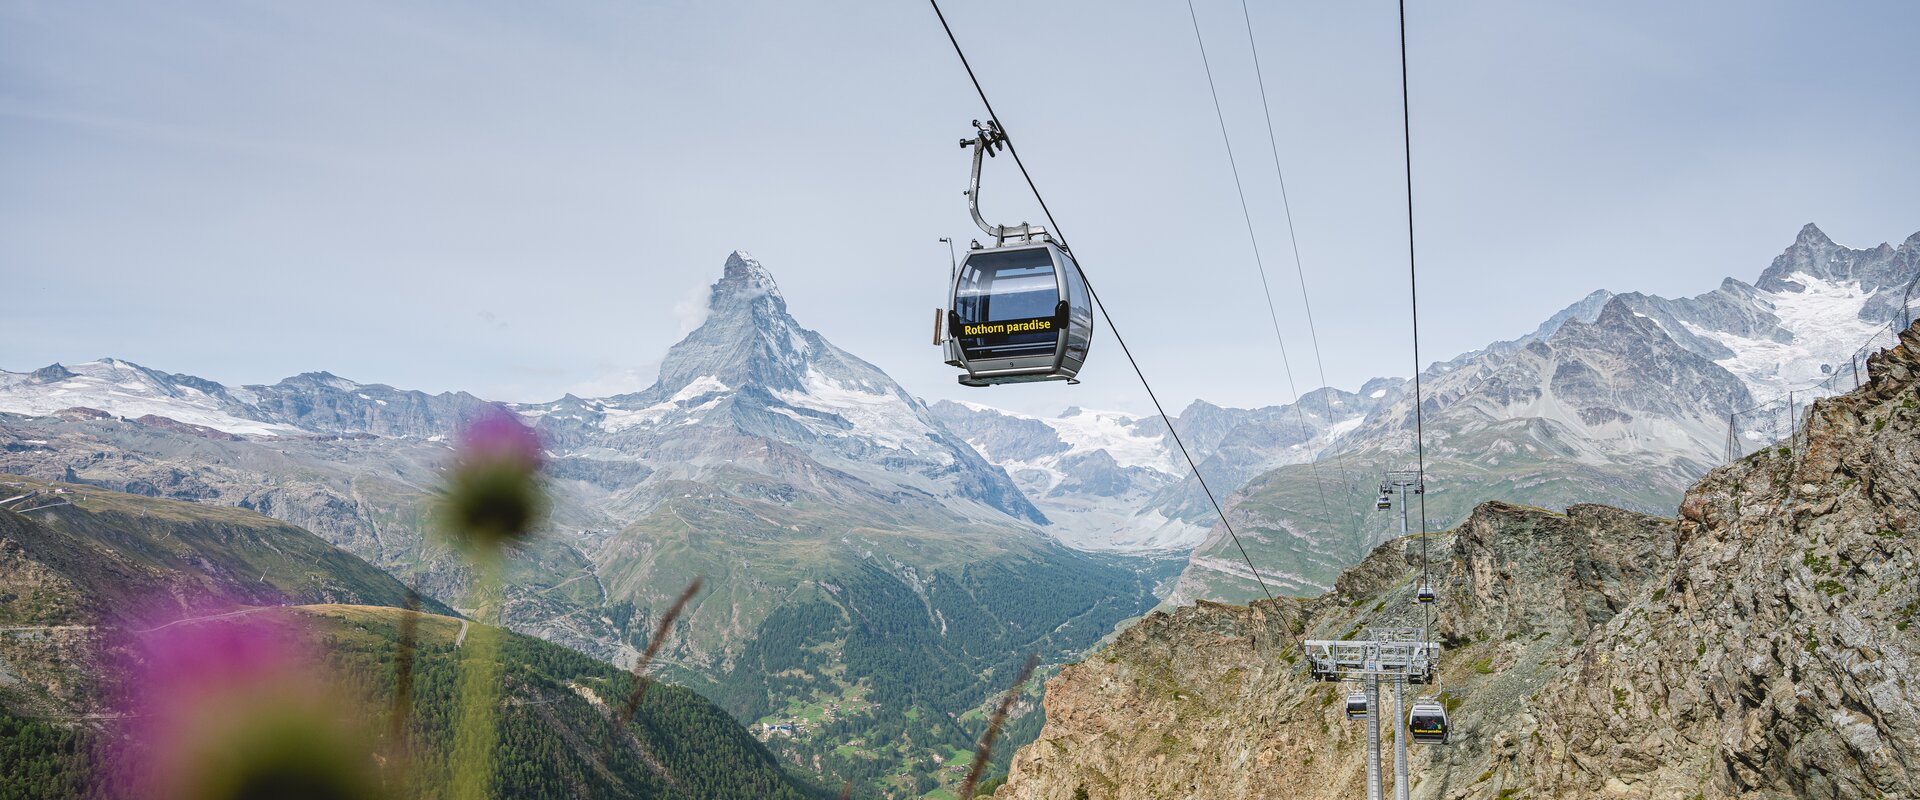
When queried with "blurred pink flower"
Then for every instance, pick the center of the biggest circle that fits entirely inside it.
(496, 434)
(231, 705)
(493, 495)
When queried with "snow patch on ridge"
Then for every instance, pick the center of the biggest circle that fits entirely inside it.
(1085, 431)
(1342, 428)
(879, 417)
(125, 390)
(1824, 318)
(1112, 431)
(614, 420)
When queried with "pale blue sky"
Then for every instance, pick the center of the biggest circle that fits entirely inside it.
(521, 200)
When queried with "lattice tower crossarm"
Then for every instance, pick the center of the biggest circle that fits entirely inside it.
(1390, 656)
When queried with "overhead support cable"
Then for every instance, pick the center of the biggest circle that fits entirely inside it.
(1293, 236)
(1258, 262)
(1054, 226)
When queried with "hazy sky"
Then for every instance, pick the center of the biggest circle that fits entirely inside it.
(523, 200)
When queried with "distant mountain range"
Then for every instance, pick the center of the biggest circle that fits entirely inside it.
(1112, 481)
(1619, 398)
(1623, 399)
(1096, 480)
(858, 555)
(840, 520)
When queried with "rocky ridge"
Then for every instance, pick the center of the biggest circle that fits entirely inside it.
(1756, 647)
(1620, 398)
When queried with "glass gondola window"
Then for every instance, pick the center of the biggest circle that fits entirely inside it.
(1003, 287)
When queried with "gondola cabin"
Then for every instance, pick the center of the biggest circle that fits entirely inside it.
(1019, 313)
(1425, 595)
(1427, 722)
(1357, 706)
(1383, 503)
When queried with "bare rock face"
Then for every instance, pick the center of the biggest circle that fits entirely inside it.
(1775, 657)
(1760, 646)
(1212, 701)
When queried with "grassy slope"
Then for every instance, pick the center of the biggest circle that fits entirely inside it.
(109, 559)
(556, 736)
(105, 559)
(117, 550)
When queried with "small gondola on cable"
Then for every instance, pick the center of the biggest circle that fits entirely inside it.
(1357, 708)
(1019, 310)
(1427, 721)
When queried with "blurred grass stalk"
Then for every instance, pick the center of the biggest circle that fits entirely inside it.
(984, 753)
(480, 684)
(493, 500)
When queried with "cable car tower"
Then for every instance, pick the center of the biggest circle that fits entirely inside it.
(1403, 655)
(1397, 656)
(1019, 310)
(1408, 483)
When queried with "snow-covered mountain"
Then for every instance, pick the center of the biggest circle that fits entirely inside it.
(129, 390)
(752, 391)
(749, 376)
(315, 403)
(850, 545)
(1621, 398)
(1094, 473)
(1112, 481)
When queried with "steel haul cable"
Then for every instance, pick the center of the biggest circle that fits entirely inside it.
(1413, 292)
(1055, 228)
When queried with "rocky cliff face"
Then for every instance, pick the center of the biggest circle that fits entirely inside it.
(1757, 647)
(1773, 657)
(1212, 701)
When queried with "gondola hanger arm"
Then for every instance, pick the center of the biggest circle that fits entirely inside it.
(987, 140)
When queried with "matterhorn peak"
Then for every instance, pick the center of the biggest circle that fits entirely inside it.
(745, 278)
(747, 338)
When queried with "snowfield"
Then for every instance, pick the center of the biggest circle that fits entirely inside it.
(125, 390)
(1824, 319)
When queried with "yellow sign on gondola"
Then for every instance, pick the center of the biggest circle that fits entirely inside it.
(1034, 325)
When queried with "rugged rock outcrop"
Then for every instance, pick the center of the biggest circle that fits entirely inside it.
(1212, 701)
(1760, 646)
(1774, 658)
